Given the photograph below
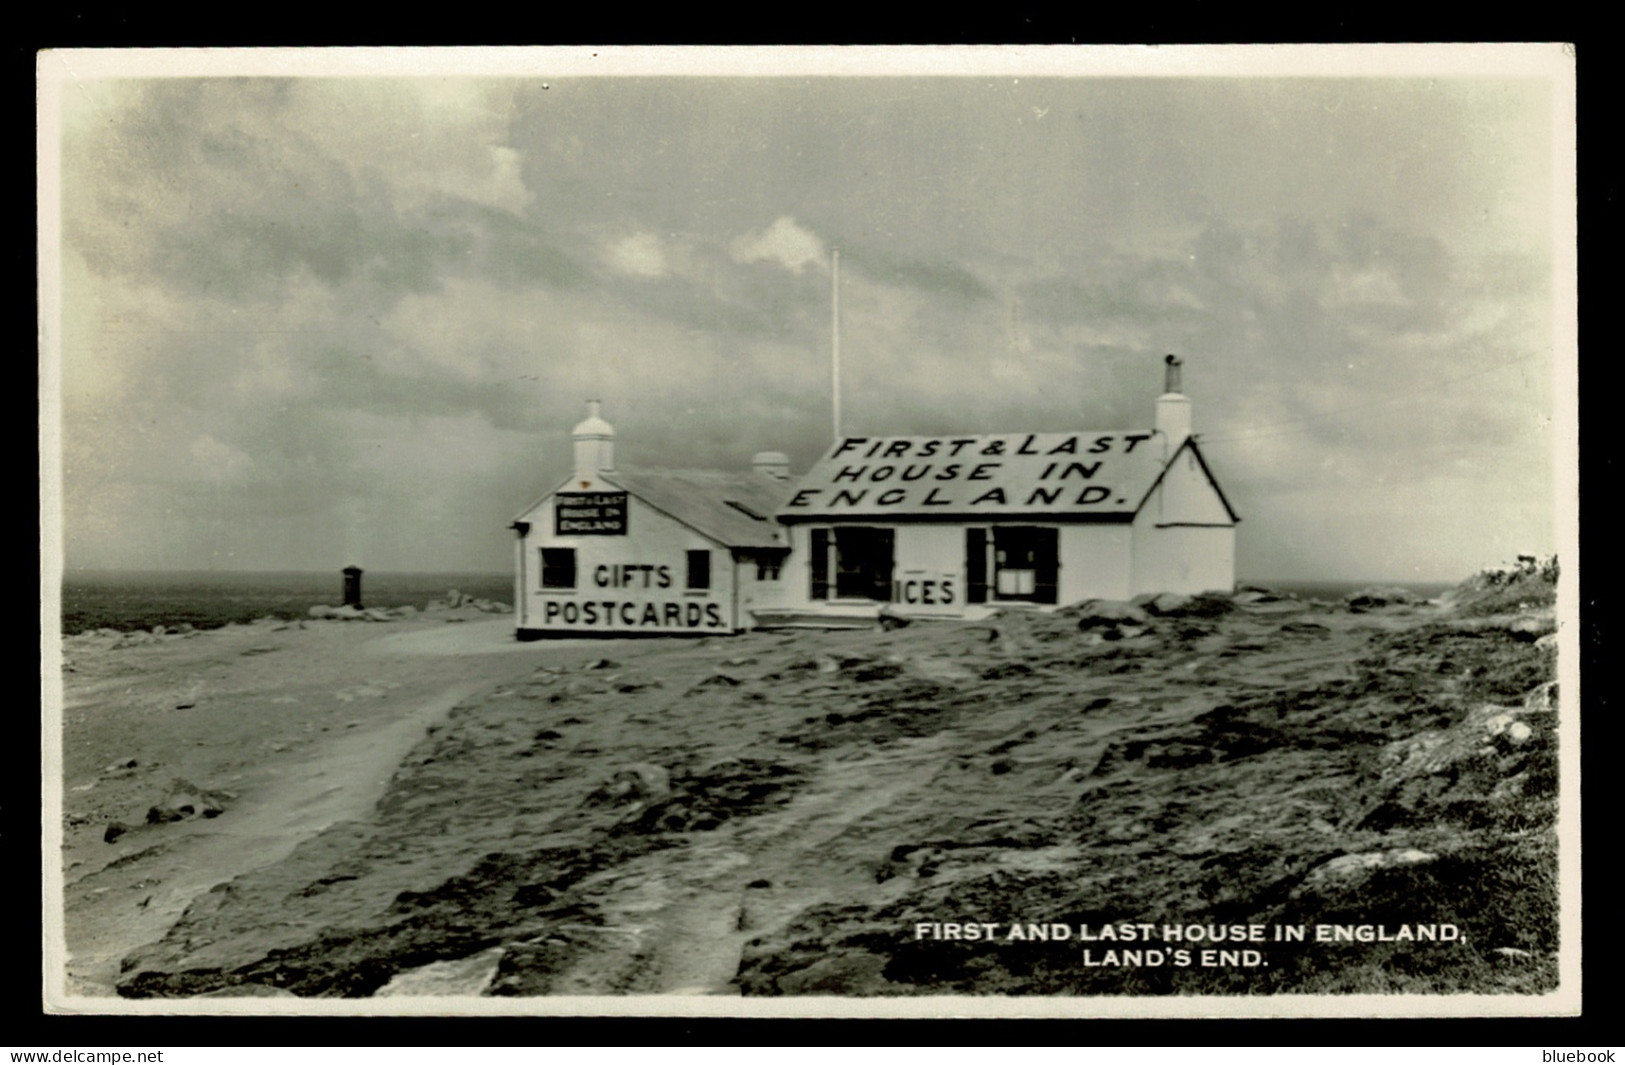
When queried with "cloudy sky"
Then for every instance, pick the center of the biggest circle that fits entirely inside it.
(313, 321)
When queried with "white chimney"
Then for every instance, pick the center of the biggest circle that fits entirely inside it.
(595, 444)
(1173, 408)
(774, 465)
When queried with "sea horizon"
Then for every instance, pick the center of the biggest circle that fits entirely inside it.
(140, 599)
(130, 600)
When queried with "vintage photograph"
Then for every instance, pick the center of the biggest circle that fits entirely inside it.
(974, 531)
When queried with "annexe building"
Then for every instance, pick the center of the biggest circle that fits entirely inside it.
(660, 552)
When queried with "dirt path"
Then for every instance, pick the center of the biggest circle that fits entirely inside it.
(304, 727)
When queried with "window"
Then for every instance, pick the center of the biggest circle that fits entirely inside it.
(558, 567)
(858, 558)
(1026, 564)
(767, 569)
(699, 571)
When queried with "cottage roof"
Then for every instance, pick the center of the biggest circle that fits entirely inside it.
(1102, 476)
(734, 509)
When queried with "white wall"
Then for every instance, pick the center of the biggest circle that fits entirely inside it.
(1184, 559)
(608, 599)
(1095, 562)
(1186, 496)
(928, 577)
(1184, 537)
(756, 594)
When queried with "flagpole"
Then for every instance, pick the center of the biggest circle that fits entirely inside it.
(835, 340)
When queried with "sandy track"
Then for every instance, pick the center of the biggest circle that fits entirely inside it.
(305, 726)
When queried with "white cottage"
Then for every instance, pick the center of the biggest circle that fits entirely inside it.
(953, 525)
(661, 552)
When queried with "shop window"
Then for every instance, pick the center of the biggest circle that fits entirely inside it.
(852, 563)
(558, 567)
(1026, 564)
(699, 571)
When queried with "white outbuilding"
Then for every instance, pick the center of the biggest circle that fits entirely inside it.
(658, 552)
(950, 526)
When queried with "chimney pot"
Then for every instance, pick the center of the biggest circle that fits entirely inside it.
(774, 465)
(1171, 376)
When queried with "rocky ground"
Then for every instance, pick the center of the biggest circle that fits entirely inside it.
(775, 813)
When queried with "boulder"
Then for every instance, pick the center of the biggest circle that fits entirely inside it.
(1257, 593)
(1542, 699)
(190, 800)
(163, 815)
(186, 800)
(890, 619)
(1205, 605)
(1351, 867)
(1167, 604)
(1532, 627)
(1108, 613)
(1447, 751)
(641, 782)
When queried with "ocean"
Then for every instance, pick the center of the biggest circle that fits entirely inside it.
(132, 600)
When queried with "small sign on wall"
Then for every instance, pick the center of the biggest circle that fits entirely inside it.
(589, 514)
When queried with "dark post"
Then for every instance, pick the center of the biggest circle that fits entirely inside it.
(352, 586)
